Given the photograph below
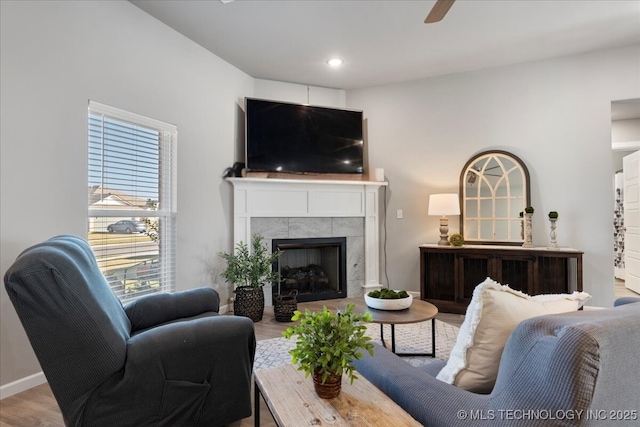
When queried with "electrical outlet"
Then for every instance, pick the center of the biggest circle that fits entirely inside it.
(399, 214)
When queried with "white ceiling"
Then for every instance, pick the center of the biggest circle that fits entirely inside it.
(385, 42)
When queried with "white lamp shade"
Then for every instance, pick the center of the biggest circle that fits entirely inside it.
(444, 204)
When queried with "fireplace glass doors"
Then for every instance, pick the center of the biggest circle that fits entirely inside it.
(315, 267)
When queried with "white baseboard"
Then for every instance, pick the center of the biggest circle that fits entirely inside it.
(225, 309)
(22, 384)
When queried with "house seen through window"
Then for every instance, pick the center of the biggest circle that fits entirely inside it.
(132, 213)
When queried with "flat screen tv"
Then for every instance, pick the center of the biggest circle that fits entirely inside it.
(296, 138)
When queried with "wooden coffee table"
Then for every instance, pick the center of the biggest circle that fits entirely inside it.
(420, 311)
(292, 401)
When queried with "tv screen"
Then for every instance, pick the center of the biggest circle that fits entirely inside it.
(295, 138)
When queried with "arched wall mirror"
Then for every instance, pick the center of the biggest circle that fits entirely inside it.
(494, 189)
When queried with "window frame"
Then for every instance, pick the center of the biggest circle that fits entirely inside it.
(166, 208)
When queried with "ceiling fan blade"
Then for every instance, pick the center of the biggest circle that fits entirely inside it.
(438, 11)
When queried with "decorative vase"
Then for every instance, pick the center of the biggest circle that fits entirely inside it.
(528, 232)
(552, 234)
(249, 302)
(331, 387)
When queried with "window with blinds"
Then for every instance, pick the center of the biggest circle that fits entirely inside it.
(132, 200)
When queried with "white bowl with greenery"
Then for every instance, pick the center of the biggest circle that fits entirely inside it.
(388, 299)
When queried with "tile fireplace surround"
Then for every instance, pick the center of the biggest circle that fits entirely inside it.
(300, 208)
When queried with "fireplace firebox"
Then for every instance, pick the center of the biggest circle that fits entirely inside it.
(315, 267)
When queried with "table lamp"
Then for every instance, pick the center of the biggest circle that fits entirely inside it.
(443, 205)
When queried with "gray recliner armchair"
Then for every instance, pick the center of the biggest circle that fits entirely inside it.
(164, 360)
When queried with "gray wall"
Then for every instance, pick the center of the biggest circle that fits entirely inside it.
(555, 115)
(55, 57)
(625, 130)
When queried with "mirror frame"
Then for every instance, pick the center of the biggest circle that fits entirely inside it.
(463, 195)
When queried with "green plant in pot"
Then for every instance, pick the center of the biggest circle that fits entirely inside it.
(327, 345)
(249, 270)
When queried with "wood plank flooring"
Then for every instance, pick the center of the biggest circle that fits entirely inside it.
(35, 407)
(622, 291)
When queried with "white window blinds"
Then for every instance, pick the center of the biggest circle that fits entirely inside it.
(132, 200)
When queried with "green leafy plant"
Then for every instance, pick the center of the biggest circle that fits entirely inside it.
(553, 214)
(251, 268)
(328, 343)
(529, 209)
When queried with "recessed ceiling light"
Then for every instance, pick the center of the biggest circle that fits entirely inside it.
(335, 62)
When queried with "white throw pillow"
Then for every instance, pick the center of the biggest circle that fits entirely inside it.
(494, 312)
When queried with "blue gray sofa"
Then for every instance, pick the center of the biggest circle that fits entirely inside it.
(573, 369)
(165, 360)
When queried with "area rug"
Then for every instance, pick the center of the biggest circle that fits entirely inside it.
(410, 338)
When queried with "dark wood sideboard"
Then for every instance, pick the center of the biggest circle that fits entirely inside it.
(448, 275)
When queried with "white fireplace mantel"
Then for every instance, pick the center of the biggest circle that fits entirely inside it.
(294, 198)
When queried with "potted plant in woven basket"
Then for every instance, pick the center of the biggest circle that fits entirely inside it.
(249, 270)
(327, 345)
